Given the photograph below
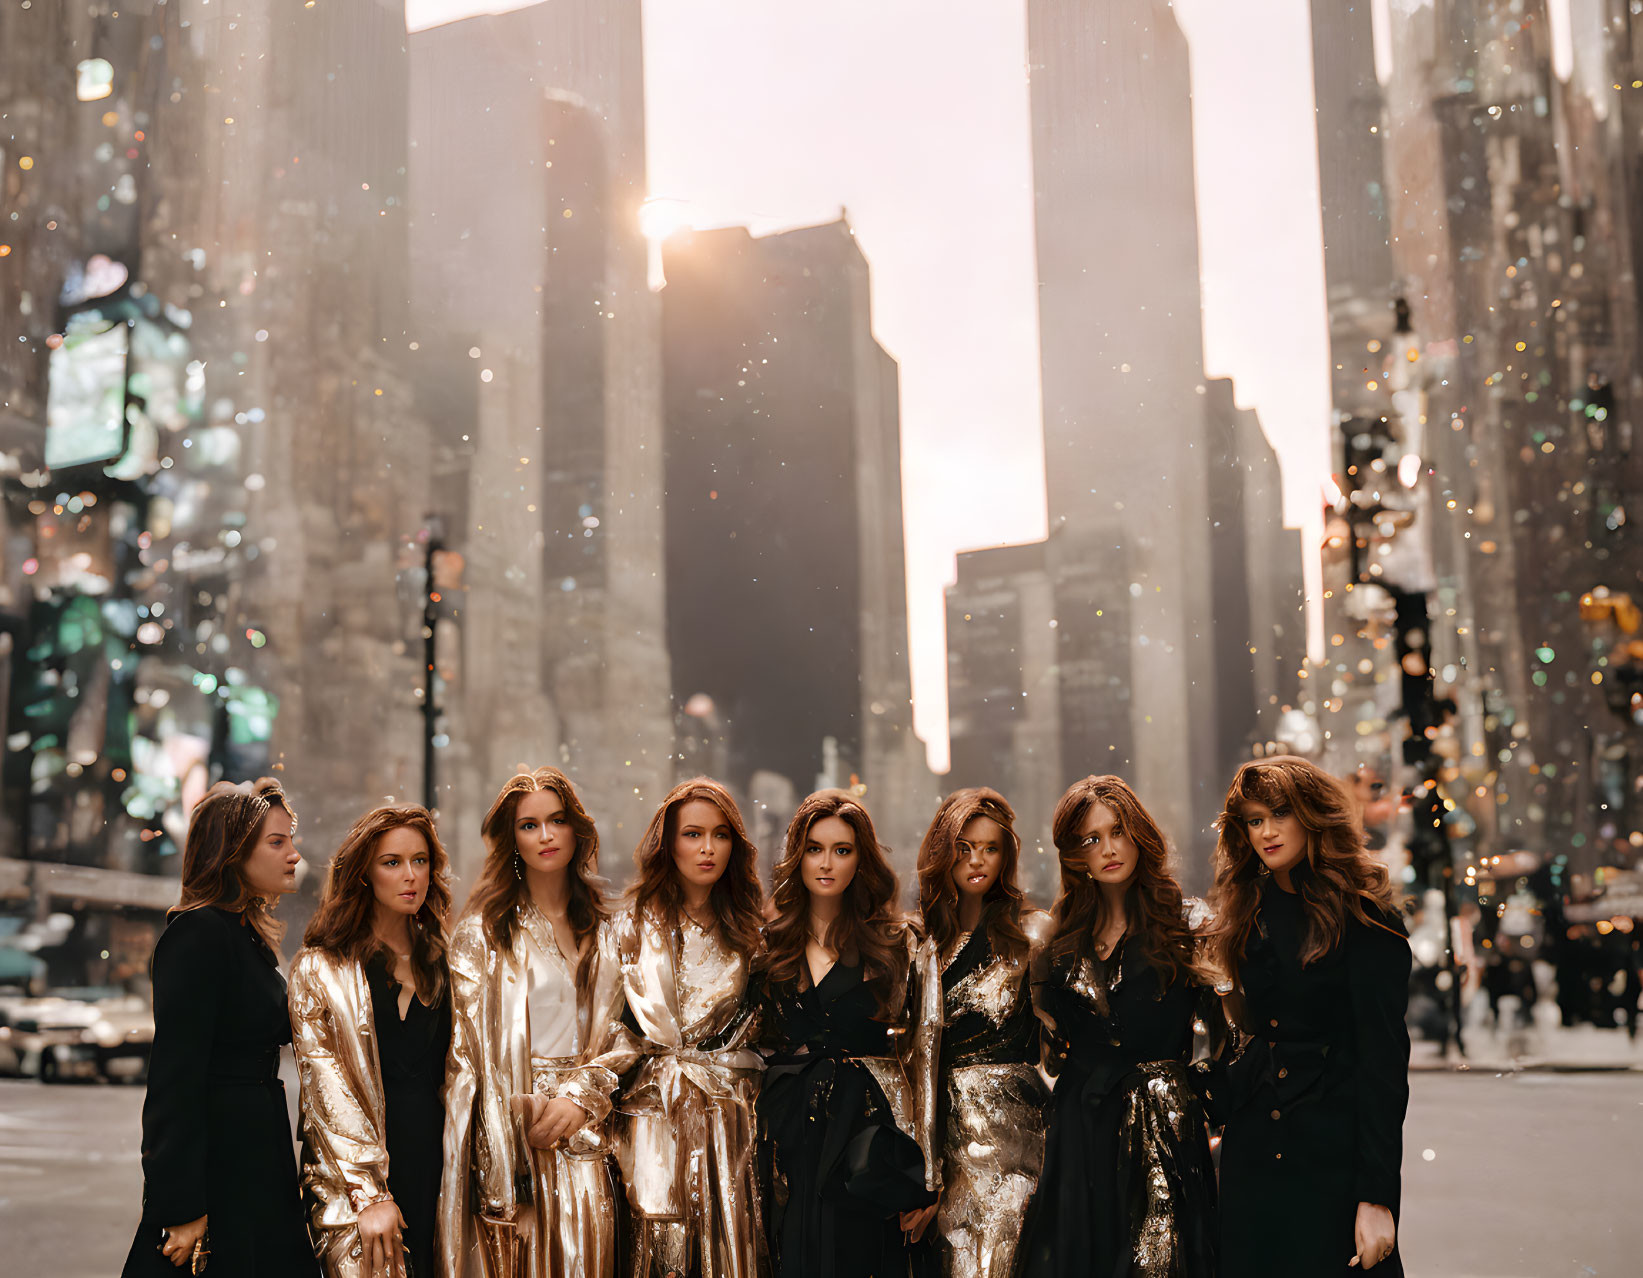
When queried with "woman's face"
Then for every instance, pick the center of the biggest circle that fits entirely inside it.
(1277, 837)
(1108, 854)
(400, 870)
(830, 857)
(270, 868)
(980, 856)
(702, 843)
(542, 832)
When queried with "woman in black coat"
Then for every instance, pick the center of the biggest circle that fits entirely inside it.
(219, 1170)
(1307, 933)
(1128, 1186)
(842, 1141)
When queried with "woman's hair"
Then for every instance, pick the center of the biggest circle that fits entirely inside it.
(938, 854)
(1339, 875)
(342, 924)
(500, 891)
(1152, 900)
(222, 830)
(737, 898)
(868, 928)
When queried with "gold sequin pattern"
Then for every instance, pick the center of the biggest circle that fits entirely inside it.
(992, 1153)
(1156, 1113)
(991, 991)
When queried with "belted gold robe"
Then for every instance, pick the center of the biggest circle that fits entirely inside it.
(677, 1031)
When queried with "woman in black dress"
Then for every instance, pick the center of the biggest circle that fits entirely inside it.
(1127, 1187)
(219, 1171)
(1308, 932)
(372, 1019)
(846, 1173)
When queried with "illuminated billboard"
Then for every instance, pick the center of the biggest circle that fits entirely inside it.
(85, 401)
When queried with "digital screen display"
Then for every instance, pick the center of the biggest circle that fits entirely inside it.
(85, 402)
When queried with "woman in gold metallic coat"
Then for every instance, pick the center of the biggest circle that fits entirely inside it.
(981, 1033)
(678, 1029)
(528, 1178)
(372, 1023)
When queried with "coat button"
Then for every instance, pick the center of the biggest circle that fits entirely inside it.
(1273, 1022)
(1275, 1115)
(1284, 1072)
(1277, 1155)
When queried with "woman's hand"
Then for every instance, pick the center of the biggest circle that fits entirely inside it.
(178, 1244)
(914, 1223)
(553, 1122)
(380, 1226)
(1375, 1234)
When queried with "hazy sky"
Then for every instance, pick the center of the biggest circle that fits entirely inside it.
(913, 114)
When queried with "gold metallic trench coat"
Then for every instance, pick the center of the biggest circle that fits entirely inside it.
(677, 1031)
(989, 1115)
(345, 1157)
(532, 1213)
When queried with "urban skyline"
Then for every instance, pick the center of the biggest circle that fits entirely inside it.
(491, 392)
(963, 110)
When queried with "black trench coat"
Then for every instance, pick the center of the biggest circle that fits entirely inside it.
(1315, 1103)
(216, 1133)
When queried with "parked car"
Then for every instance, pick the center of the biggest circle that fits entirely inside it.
(81, 1033)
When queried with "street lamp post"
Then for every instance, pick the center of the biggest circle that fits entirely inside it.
(434, 527)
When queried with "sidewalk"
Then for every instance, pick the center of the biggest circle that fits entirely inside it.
(1547, 1045)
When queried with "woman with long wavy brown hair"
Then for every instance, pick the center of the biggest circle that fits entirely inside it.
(979, 939)
(528, 1174)
(676, 1033)
(1128, 1186)
(373, 1025)
(1308, 935)
(840, 1142)
(219, 1178)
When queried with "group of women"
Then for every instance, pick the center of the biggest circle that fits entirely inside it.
(700, 1079)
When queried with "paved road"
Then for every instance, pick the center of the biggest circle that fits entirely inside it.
(1528, 1176)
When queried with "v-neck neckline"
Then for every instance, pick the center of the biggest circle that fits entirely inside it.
(395, 988)
(817, 988)
(817, 982)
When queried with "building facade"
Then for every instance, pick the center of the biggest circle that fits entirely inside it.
(1126, 448)
(540, 288)
(786, 562)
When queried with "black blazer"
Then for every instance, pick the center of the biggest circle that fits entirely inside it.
(216, 1134)
(1316, 1101)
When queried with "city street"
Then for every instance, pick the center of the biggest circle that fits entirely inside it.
(1528, 1175)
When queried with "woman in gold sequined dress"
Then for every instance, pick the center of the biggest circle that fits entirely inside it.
(372, 1024)
(1127, 1189)
(982, 1037)
(528, 1176)
(677, 1031)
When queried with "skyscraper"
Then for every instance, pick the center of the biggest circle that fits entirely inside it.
(786, 568)
(206, 379)
(527, 172)
(1003, 701)
(1125, 442)
(1257, 590)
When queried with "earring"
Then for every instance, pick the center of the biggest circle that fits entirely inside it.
(518, 868)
